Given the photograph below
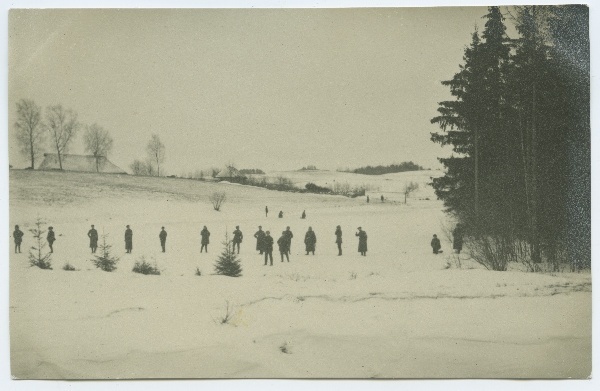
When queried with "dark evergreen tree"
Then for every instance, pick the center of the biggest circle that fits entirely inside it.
(105, 261)
(571, 50)
(520, 127)
(228, 263)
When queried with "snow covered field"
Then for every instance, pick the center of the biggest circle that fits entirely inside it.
(399, 312)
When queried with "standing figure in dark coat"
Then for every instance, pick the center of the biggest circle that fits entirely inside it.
(163, 238)
(310, 240)
(435, 244)
(260, 236)
(303, 214)
(283, 246)
(367, 199)
(289, 235)
(362, 241)
(128, 240)
(457, 235)
(50, 238)
(266, 211)
(237, 238)
(93, 235)
(18, 237)
(268, 247)
(205, 235)
(338, 239)
(280, 214)
(382, 199)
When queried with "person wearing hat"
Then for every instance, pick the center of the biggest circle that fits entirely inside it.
(205, 235)
(362, 241)
(93, 235)
(338, 239)
(289, 235)
(128, 240)
(18, 237)
(237, 238)
(163, 238)
(283, 246)
(435, 244)
(50, 238)
(268, 247)
(260, 236)
(310, 240)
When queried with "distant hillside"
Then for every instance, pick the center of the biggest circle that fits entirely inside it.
(392, 168)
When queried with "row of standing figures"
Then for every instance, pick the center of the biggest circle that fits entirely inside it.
(264, 240)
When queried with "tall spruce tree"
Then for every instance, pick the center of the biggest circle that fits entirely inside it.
(474, 124)
(520, 126)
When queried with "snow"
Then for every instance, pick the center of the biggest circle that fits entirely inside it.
(399, 312)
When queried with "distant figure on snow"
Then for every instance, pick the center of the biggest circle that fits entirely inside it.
(50, 238)
(289, 235)
(303, 214)
(163, 238)
(362, 241)
(128, 240)
(266, 211)
(205, 235)
(310, 240)
(338, 239)
(435, 244)
(93, 235)
(280, 214)
(237, 238)
(382, 199)
(367, 199)
(260, 236)
(283, 246)
(457, 235)
(268, 247)
(18, 237)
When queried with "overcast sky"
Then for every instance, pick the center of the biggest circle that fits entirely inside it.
(269, 89)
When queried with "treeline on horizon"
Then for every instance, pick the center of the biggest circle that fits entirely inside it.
(380, 170)
(519, 126)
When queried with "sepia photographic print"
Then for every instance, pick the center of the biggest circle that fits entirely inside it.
(299, 193)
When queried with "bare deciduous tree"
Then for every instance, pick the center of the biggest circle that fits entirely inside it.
(62, 125)
(98, 142)
(139, 167)
(409, 188)
(30, 132)
(217, 198)
(156, 152)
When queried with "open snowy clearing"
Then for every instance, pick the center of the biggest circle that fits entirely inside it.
(399, 312)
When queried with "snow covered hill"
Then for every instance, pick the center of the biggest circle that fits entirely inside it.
(398, 312)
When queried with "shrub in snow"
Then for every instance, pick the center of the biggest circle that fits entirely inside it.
(37, 255)
(217, 198)
(144, 267)
(228, 263)
(228, 315)
(105, 261)
(68, 267)
(285, 348)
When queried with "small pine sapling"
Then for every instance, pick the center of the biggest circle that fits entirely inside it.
(228, 263)
(37, 256)
(105, 261)
(144, 267)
